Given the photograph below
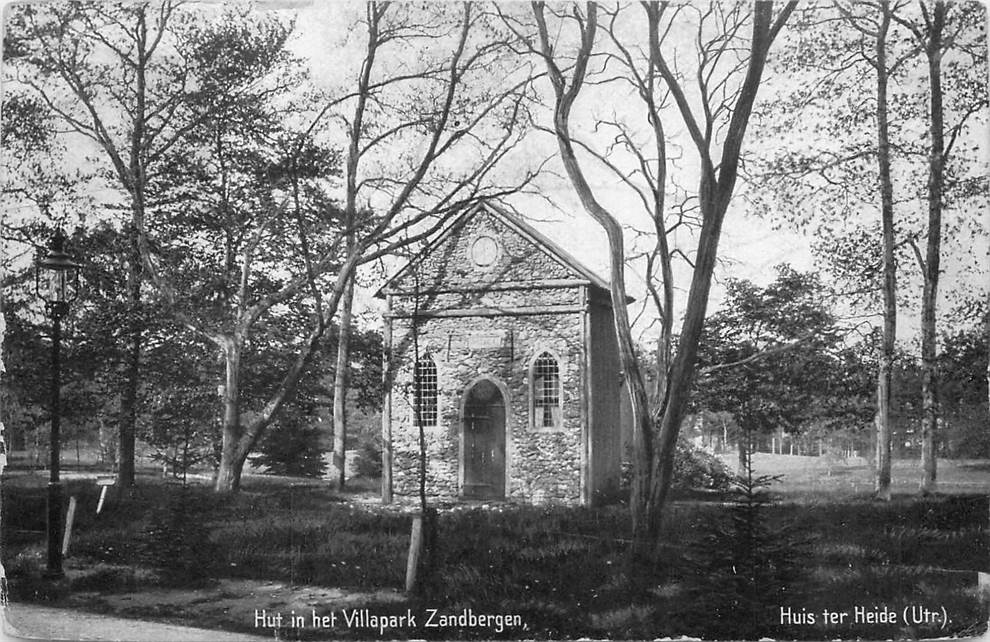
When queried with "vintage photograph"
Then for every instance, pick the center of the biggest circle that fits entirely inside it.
(494, 320)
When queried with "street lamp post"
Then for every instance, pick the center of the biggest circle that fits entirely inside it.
(56, 283)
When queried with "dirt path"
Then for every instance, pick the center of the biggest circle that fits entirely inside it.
(229, 604)
(47, 623)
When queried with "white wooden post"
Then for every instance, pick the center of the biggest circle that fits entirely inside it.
(68, 526)
(104, 483)
(415, 551)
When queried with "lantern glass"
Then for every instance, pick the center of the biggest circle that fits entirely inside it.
(54, 286)
(57, 275)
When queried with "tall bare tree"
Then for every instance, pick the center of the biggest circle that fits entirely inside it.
(931, 36)
(943, 33)
(877, 28)
(716, 116)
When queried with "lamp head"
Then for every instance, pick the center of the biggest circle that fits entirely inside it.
(57, 276)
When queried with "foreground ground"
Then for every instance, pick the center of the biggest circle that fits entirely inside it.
(286, 549)
(22, 620)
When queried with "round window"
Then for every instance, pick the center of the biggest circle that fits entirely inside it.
(484, 251)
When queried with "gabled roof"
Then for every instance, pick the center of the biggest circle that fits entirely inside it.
(540, 240)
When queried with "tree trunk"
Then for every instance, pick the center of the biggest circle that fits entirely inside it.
(107, 445)
(743, 453)
(882, 422)
(127, 418)
(340, 385)
(37, 447)
(231, 456)
(682, 373)
(231, 466)
(885, 371)
(929, 376)
(137, 178)
(101, 442)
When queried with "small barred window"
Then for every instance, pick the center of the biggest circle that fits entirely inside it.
(546, 392)
(426, 391)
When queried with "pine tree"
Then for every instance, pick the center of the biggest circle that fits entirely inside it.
(746, 560)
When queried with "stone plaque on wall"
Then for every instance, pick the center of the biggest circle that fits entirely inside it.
(460, 341)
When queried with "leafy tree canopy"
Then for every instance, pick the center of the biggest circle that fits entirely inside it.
(773, 357)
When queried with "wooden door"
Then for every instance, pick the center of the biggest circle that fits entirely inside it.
(484, 442)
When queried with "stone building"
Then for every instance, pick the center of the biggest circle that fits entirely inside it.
(504, 344)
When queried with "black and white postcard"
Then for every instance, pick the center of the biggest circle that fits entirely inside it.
(495, 320)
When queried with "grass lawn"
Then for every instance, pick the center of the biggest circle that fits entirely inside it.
(835, 478)
(285, 547)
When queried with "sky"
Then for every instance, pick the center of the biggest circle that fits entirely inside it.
(750, 247)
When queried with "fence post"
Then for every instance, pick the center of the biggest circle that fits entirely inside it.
(415, 551)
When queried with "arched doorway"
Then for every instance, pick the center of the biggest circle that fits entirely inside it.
(484, 442)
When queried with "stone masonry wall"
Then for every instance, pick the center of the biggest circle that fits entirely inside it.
(542, 465)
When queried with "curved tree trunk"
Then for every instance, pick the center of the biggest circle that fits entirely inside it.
(643, 518)
(239, 438)
(655, 432)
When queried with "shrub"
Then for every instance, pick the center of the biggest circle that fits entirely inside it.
(292, 448)
(369, 460)
(178, 541)
(694, 469)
